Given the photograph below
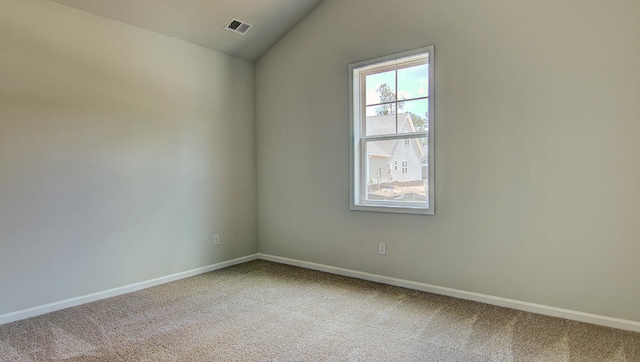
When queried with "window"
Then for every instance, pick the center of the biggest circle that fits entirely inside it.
(391, 113)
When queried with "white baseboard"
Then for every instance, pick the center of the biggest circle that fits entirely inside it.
(478, 297)
(483, 298)
(72, 302)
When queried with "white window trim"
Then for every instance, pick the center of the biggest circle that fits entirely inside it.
(356, 166)
(405, 167)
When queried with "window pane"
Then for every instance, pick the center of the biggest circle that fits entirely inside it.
(381, 87)
(396, 172)
(381, 124)
(413, 82)
(382, 109)
(388, 124)
(419, 110)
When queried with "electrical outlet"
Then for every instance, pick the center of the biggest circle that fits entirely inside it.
(382, 249)
(216, 239)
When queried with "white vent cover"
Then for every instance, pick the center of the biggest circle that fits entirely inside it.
(238, 26)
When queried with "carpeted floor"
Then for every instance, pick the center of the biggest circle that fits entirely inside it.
(267, 311)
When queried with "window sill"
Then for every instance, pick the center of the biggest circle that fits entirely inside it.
(395, 209)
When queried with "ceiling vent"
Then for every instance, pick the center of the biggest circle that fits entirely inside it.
(238, 26)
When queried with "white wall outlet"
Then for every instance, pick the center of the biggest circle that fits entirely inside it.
(382, 249)
(216, 239)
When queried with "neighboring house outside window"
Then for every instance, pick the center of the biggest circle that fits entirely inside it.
(379, 153)
(392, 120)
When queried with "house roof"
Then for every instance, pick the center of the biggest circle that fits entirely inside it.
(386, 124)
(373, 149)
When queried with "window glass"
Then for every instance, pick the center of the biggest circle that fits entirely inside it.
(413, 82)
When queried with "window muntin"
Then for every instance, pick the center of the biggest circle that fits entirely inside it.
(391, 120)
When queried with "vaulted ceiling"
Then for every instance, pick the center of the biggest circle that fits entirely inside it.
(203, 22)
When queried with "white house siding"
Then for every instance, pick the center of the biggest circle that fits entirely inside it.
(400, 152)
(411, 154)
(382, 154)
(378, 164)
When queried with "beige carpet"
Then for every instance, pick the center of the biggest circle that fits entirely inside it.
(268, 311)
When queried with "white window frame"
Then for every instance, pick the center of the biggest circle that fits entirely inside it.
(405, 167)
(358, 174)
(395, 165)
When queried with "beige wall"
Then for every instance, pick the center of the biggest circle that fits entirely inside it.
(537, 148)
(122, 152)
